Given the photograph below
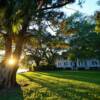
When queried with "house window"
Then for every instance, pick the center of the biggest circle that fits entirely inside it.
(94, 62)
(59, 64)
(65, 63)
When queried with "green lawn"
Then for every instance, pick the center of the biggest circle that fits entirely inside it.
(63, 85)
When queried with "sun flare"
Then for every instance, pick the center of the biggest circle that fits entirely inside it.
(11, 61)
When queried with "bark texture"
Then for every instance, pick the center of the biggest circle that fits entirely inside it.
(8, 72)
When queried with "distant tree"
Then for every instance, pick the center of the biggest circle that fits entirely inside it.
(83, 41)
(47, 48)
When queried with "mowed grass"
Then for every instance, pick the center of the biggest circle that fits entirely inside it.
(55, 85)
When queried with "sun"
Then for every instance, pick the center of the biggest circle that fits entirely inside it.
(11, 61)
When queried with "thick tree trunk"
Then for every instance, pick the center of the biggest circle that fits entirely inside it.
(7, 76)
(5, 70)
(8, 47)
(8, 72)
(37, 62)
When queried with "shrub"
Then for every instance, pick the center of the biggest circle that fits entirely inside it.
(45, 67)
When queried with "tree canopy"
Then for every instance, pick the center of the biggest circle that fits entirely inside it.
(84, 41)
(20, 19)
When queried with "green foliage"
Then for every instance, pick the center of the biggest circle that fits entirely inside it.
(86, 46)
(84, 43)
(48, 67)
(97, 28)
(70, 25)
(15, 14)
(17, 26)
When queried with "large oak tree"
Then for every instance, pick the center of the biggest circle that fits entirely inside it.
(15, 19)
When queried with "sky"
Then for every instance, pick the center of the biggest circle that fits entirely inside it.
(89, 7)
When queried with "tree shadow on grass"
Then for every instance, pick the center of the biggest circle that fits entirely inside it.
(11, 94)
(90, 77)
(63, 91)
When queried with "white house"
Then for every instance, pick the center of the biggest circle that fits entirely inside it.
(88, 63)
(78, 64)
(61, 63)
